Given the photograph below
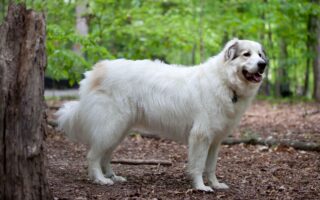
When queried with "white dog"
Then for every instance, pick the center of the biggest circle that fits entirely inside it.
(198, 105)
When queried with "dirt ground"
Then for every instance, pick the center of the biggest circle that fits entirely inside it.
(252, 172)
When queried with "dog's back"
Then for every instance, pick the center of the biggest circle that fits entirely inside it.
(153, 95)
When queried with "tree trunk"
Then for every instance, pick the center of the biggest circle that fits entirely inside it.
(201, 43)
(316, 72)
(22, 116)
(315, 47)
(193, 55)
(81, 24)
(265, 87)
(282, 82)
(308, 61)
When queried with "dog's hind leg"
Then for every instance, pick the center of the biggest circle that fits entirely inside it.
(211, 165)
(198, 150)
(103, 141)
(94, 157)
(107, 169)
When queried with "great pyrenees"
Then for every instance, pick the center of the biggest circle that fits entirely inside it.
(199, 106)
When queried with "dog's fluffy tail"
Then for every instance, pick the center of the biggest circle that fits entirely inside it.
(68, 120)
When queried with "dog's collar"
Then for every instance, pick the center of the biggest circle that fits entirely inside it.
(234, 98)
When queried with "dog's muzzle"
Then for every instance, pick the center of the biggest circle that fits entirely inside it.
(261, 67)
(255, 77)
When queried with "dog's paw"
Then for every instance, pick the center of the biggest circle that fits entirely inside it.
(204, 188)
(220, 186)
(118, 179)
(103, 181)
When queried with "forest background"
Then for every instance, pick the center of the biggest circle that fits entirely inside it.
(186, 32)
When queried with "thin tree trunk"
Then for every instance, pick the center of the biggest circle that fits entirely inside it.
(265, 85)
(225, 38)
(306, 78)
(81, 24)
(315, 35)
(3, 9)
(309, 44)
(279, 73)
(316, 72)
(22, 116)
(201, 43)
(282, 82)
(193, 54)
(308, 61)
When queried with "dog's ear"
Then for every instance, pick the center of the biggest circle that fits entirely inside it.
(231, 49)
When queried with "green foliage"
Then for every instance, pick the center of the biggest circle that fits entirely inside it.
(176, 31)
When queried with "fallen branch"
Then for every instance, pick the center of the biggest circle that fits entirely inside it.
(311, 113)
(307, 146)
(142, 162)
(254, 115)
(299, 145)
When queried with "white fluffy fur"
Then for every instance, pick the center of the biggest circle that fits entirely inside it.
(192, 105)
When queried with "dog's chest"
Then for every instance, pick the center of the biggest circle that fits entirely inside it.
(237, 111)
(232, 114)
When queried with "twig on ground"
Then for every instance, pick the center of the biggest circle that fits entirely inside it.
(142, 162)
(255, 115)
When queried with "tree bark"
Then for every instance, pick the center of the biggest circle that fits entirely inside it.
(282, 82)
(315, 47)
(81, 24)
(22, 116)
(309, 52)
(265, 87)
(201, 43)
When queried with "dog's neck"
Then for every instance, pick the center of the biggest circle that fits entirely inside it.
(235, 97)
(238, 95)
(239, 90)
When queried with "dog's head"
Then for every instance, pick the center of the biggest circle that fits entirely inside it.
(246, 59)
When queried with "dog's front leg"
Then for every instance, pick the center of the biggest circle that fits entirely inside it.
(211, 166)
(198, 151)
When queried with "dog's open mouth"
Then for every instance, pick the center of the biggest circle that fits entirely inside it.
(252, 77)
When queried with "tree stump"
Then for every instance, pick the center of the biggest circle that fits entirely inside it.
(22, 117)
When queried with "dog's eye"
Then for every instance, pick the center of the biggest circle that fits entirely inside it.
(260, 55)
(247, 54)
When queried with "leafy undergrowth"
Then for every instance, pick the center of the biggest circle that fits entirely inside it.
(252, 172)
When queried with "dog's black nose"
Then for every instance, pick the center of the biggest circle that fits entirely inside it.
(261, 67)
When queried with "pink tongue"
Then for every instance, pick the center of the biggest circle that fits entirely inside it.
(257, 77)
